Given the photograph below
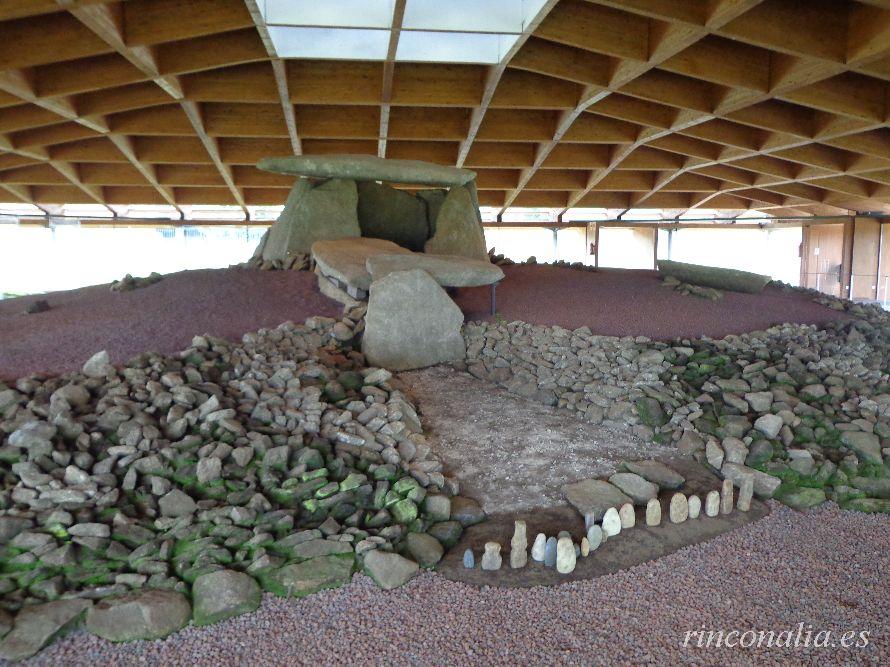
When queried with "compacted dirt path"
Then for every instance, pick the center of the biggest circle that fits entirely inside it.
(508, 452)
(826, 569)
(162, 317)
(620, 302)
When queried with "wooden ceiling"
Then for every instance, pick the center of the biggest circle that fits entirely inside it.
(776, 105)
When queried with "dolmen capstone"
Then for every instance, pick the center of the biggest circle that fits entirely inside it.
(345, 196)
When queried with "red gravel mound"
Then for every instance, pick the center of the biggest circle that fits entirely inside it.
(618, 302)
(162, 317)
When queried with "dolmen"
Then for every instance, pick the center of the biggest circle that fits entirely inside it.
(397, 249)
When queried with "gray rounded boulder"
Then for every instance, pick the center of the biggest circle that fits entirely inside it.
(223, 594)
(152, 614)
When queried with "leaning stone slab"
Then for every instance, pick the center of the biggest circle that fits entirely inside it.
(764, 485)
(223, 594)
(411, 323)
(151, 614)
(657, 473)
(346, 259)
(389, 570)
(458, 231)
(594, 496)
(448, 270)
(37, 625)
(712, 276)
(313, 213)
(301, 579)
(640, 491)
(367, 168)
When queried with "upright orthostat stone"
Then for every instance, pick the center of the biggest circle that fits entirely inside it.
(411, 323)
(458, 231)
(539, 548)
(679, 508)
(519, 546)
(746, 490)
(694, 506)
(313, 213)
(611, 522)
(491, 558)
(594, 537)
(585, 547)
(469, 559)
(712, 503)
(653, 512)
(627, 516)
(726, 499)
(550, 552)
(565, 555)
(395, 215)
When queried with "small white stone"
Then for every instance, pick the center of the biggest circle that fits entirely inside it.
(679, 508)
(627, 515)
(539, 547)
(712, 503)
(565, 555)
(98, 365)
(746, 490)
(491, 559)
(611, 522)
(726, 499)
(694, 506)
(585, 547)
(653, 512)
(518, 546)
(595, 537)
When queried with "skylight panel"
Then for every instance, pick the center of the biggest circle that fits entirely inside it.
(329, 13)
(329, 43)
(453, 47)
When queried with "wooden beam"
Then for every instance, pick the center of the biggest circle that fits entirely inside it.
(495, 73)
(280, 71)
(389, 65)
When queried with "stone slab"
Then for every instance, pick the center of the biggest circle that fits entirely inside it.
(448, 270)
(367, 168)
(346, 259)
(594, 496)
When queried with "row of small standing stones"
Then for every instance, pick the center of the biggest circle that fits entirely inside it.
(563, 553)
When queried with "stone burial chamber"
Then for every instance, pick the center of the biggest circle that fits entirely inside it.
(396, 249)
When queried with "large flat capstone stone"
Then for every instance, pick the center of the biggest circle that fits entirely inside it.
(411, 323)
(367, 168)
(447, 270)
(345, 259)
(594, 496)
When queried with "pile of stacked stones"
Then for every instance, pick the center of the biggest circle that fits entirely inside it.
(502, 260)
(297, 261)
(688, 289)
(179, 487)
(803, 410)
(562, 553)
(129, 283)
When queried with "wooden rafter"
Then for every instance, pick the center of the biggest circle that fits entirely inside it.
(389, 67)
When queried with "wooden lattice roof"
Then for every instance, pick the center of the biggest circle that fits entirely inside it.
(778, 105)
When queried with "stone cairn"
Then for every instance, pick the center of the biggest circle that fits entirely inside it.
(178, 487)
(802, 410)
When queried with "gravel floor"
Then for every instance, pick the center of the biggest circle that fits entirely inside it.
(162, 317)
(827, 569)
(620, 302)
(510, 453)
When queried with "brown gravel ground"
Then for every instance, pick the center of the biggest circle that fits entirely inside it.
(621, 302)
(502, 446)
(827, 569)
(162, 317)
